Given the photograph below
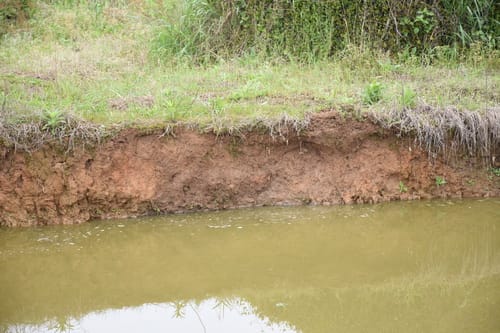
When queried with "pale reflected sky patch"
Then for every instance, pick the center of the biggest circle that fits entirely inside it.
(209, 316)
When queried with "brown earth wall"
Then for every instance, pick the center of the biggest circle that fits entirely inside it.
(335, 161)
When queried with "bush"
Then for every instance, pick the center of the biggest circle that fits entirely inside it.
(372, 93)
(308, 31)
(14, 12)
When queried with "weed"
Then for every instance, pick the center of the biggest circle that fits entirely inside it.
(306, 200)
(52, 120)
(29, 134)
(476, 23)
(440, 181)
(495, 171)
(402, 187)
(408, 98)
(154, 208)
(418, 30)
(372, 93)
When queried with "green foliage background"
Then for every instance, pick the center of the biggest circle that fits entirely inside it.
(309, 30)
(14, 12)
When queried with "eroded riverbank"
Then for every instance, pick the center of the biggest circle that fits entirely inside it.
(335, 160)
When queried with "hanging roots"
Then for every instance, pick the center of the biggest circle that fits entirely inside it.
(281, 127)
(30, 134)
(448, 131)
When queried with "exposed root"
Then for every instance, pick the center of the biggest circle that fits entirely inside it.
(278, 128)
(283, 126)
(30, 134)
(448, 131)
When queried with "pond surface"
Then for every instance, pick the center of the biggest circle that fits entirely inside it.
(431, 266)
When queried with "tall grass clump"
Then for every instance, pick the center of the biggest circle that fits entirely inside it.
(309, 31)
(408, 98)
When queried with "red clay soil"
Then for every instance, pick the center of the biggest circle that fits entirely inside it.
(335, 161)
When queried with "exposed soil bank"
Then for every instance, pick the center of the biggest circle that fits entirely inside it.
(335, 161)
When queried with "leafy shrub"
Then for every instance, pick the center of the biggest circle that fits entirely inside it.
(308, 31)
(372, 93)
(14, 12)
(418, 30)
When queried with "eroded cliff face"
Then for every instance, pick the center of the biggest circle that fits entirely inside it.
(335, 161)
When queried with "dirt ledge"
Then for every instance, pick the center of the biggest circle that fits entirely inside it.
(335, 161)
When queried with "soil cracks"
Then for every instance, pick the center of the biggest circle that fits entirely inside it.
(335, 161)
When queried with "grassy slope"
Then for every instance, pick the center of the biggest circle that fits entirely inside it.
(94, 61)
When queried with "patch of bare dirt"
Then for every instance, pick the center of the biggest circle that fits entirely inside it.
(123, 103)
(336, 161)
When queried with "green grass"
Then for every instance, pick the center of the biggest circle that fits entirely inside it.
(373, 93)
(440, 181)
(94, 60)
(402, 187)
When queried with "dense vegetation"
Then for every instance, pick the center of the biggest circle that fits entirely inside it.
(316, 30)
(307, 30)
(427, 67)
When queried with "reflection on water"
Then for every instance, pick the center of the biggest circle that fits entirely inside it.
(399, 267)
(211, 315)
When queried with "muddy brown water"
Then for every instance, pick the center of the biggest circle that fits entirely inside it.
(430, 266)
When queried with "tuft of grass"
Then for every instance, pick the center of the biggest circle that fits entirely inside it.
(31, 133)
(52, 120)
(440, 181)
(372, 93)
(408, 98)
(402, 187)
